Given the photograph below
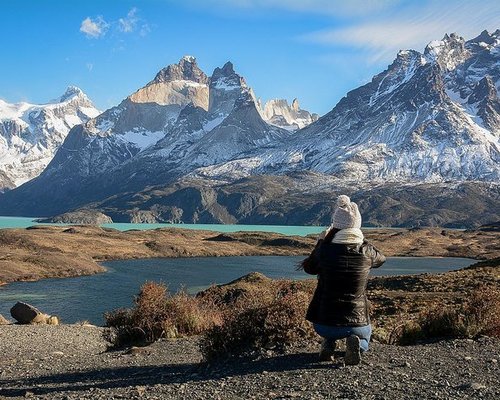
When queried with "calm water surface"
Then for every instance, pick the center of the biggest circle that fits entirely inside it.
(88, 297)
(23, 222)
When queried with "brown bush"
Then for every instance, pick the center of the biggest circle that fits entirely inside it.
(260, 322)
(479, 315)
(190, 315)
(158, 314)
(482, 314)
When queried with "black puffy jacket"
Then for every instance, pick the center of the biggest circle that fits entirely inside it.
(340, 298)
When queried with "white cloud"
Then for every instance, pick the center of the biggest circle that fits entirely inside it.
(129, 23)
(90, 66)
(412, 27)
(132, 23)
(97, 27)
(94, 28)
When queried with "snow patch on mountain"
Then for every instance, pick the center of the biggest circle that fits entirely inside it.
(30, 134)
(142, 140)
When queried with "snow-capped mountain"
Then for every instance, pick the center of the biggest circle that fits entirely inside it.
(192, 148)
(278, 112)
(430, 117)
(180, 120)
(30, 134)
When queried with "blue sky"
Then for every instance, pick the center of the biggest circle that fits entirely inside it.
(315, 50)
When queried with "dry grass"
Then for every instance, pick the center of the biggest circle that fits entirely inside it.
(159, 314)
(479, 315)
(256, 320)
(234, 319)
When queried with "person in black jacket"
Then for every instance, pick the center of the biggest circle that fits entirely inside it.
(342, 260)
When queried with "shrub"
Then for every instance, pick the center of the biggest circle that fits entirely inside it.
(479, 315)
(256, 323)
(158, 314)
(190, 315)
(482, 314)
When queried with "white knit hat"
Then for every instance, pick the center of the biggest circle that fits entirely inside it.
(346, 214)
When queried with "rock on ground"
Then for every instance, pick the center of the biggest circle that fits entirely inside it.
(71, 362)
(25, 313)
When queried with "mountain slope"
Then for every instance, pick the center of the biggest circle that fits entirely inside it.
(180, 120)
(193, 148)
(31, 134)
(429, 117)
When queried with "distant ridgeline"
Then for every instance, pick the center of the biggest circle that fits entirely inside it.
(418, 145)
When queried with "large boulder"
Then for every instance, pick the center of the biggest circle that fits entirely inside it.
(25, 313)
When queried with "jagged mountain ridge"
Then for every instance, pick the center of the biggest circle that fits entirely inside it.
(429, 119)
(166, 117)
(180, 114)
(30, 134)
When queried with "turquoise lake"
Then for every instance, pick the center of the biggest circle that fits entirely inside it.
(88, 297)
(22, 222)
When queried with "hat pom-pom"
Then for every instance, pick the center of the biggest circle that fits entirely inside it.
(343, 201)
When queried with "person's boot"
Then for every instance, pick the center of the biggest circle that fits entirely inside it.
(352, 352)
(327, 350)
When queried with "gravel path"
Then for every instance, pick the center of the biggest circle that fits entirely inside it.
(70, 362)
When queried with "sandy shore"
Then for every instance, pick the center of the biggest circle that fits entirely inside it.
(52, 251)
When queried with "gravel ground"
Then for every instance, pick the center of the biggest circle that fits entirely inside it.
(71, 362)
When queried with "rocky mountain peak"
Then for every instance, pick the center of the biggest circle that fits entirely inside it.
(185, 70)
(226, 70)
(71, 92)
(486, 37)
(278, 112)
(226, 78)
(188, 59)
(448, 52)
(176, 85)
(226, 86)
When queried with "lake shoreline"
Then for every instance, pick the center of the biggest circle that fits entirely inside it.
(41, 252)
(74, 359)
